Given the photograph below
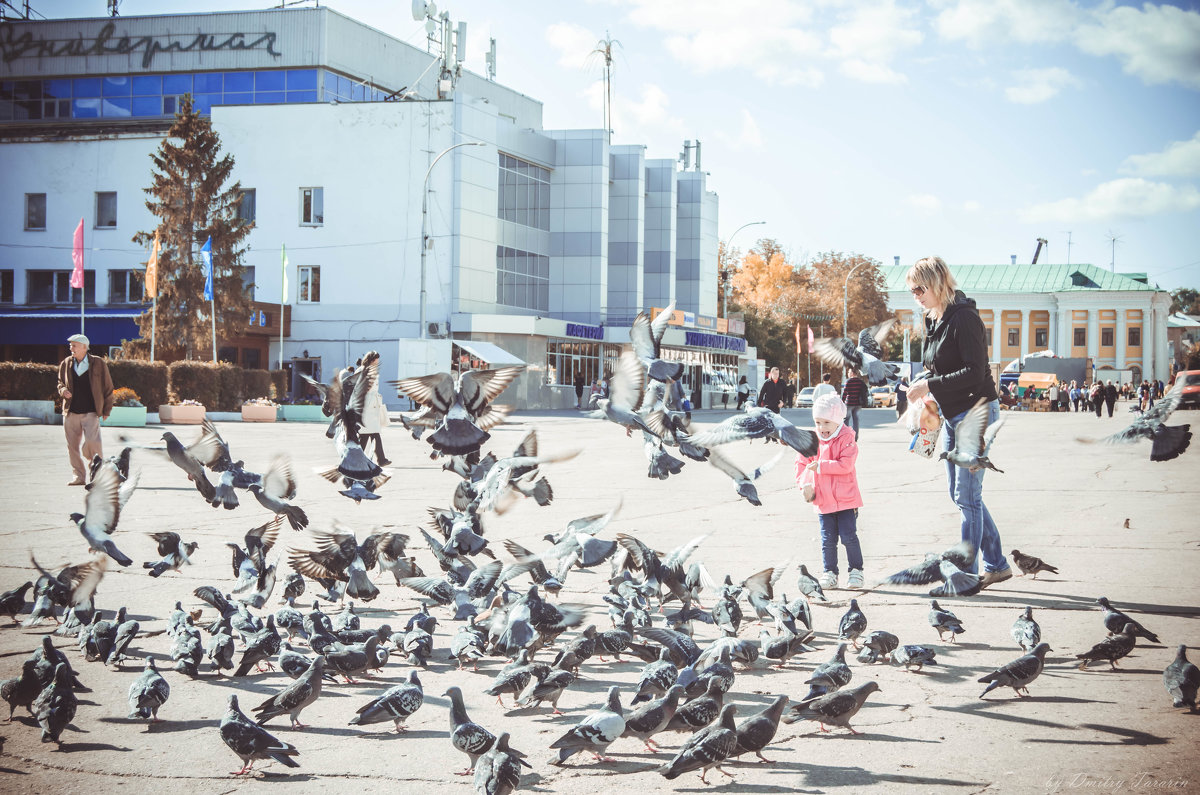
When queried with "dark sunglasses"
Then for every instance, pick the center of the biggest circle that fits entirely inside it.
(918, 291)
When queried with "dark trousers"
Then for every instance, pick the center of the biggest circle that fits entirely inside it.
(380, 458)
(1099, 406)
(840, 525)
(1109, 402)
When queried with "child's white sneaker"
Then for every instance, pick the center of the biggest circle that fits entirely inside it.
(828, 579)
(854, 580)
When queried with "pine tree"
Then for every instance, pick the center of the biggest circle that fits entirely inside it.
(192, 201)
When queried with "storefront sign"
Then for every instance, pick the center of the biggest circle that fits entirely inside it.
(706, 321)
(699, 339)
(676, 315)
(106, 42)
(737, 326)
(689, 319)
(722, 325)
(585, 331)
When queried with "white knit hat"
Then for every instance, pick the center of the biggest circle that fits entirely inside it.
(829, 407)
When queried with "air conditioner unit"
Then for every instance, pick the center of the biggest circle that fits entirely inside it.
(437, 330)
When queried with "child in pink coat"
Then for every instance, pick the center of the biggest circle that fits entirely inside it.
(834, 489)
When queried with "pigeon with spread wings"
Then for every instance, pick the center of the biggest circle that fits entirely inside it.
(973, 440)
(757, 423)
(102, 510)
(275, 490)
(951, 567)
(865, 356)
(627, 388)
(339, 556)
(743, 481)
(646, 336)
(1166, 441)
(462, 400)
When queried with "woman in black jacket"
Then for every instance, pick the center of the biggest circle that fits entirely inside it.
(958, 376)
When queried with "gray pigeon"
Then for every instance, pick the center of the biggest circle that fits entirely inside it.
(1182, 679)
(944, 621)
(864, 356)
(1167, 441)
(1028, 564)
(877, 645)
(656, 678)
(706, 749)
(653, 717)
(498, 771)
(1111, 648)
(626, 390)
(743, 481)
(973, 440)
(1115, 621)
(187, 459)
(951, 567)
(757, 731)
(832, 675)
(275, 491)
(810, 586)
(292, 700)
(252, 742)
(784, 646)
(462, 404)
(853, 624)
(594, 733)
(758, 423)
(395, 704)
(174, 553)
(20, 691)
(466, 735)
(835, 709)
(101, 512)
(547, 687)
(147, 693)
(699, 712)
(645, 336)
(914, 655)
(13, 602)
(1025, 631)
(1019, 673)
(55, 706)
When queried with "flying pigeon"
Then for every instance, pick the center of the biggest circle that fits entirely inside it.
(758, 423)
(973, 440)
(1115, 621)
(339, 556)
(73, 585)
(1181, 678)
(835, 709)
(944, 621)
(1167, 441)
(1028, 564)
(626, 392)
(1019, 673)
(174, 551)
(395, 704)
(189, 459)
(252, 742)
(866, 356)
(1111, 648)
(276, 489)
(743, 481)
(646, 337)
(462, 401)
(148, 693)
(707, 748)
(101, 513)
(1025, 631)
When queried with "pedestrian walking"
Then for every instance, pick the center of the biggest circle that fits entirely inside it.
(374, 420)
(86, 390)
(743, 392)
(1053, 395)
(824, 388)
(771, 394)
(579, 384)
(1110, 397)
(854, 395)
(1097, 398)
(1074, 393)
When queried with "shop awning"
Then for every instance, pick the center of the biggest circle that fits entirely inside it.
(103, 326)
(486, 351)
(1037, 380)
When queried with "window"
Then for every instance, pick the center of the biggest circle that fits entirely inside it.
(312, 206)
(1135, 336)
(523, 193)
(1040, 337)
(566, 357)
(6, 286)
(106, 210)
(1080, 338)
(227, 354)
(1014, 337)
(246, 207)
(251, 358)
(310, 284)
(1106, 337)
(35, 211)
(522, 279)
(125, 287)
(54, 287)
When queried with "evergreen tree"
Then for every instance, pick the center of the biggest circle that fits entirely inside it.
(192, 201)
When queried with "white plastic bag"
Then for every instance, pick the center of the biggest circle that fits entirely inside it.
(923, 420)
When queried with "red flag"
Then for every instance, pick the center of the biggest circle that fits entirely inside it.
(810, 339)
(77, 258)
(798, 339)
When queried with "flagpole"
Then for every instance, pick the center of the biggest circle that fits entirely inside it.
(810, 358)
(282, 299)
(153, 322)
(212, 304)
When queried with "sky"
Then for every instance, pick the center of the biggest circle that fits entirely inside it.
(962, 128)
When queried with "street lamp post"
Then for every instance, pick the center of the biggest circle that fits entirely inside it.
(727, 288)
(424, 222)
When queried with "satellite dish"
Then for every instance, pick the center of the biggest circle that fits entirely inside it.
(418, 9)
(430, 25)
(431, 8)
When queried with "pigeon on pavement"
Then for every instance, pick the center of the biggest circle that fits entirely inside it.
(944, 621)
(101, 513)
(1028, 564)
(1019, 673)
(701, 711)
(395, 704)
(1182, 679)
(877, 645)
(466, 735)
(865, 356)
(251, 742)
(55, 706)
(707, 748)
(757, 731)
(148, 693)
(20, 691)
(594, 733)
(1025, 631)
(810, 586)
(853, 624)
(13, 602)
(653, 717)
(1115, 621)
(973, 440)
(951, 567)
(1111, 648)
(835, 709)
(831, 675)
(914, 655)
(292, 700)
(498, 770)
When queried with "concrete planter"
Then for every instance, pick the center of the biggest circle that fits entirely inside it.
(40, 411)
(181, 415)
(126, 417)
(302, 414)
(252, 413)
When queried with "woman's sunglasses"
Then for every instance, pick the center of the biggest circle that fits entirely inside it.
(917, 291)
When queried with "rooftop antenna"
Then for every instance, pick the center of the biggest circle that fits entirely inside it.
(1068, 248)
(112, 8)
(1113, 238)
(604, 48)
(490, 58)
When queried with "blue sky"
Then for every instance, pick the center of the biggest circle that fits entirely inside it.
(965, 128)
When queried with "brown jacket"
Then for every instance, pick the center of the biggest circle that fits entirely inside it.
(101, 381)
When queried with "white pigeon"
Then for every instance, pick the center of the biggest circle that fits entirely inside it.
(973, 440)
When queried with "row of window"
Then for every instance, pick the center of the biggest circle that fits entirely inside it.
(1041, 337)
(104, 208)
(125, 287)
(522, 279)
(565, 359)
(523, 193)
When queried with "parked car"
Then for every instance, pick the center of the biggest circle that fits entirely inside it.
(804, 399)
(882, 396)
(1191, 388)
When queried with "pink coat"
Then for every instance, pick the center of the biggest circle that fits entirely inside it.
(835, 485)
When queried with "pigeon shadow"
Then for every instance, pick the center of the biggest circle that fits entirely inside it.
(393, 735)
(70, 748)
(981, 707)
(10, 771)
(1123, 736)
(270, 777)
(828, 776)
(309, 729)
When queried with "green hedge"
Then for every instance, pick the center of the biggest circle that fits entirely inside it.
(199, 381)
(255, 384)
(280, 382)
(27, 381)
(148, 379)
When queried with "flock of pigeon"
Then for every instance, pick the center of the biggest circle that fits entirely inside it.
(504, 603)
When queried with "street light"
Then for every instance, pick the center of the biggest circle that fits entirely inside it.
(728, 242)
(424, 221)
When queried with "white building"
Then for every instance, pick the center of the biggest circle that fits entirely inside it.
(541, 245)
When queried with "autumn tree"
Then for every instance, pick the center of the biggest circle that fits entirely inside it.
(191, 196)
(1185, 300)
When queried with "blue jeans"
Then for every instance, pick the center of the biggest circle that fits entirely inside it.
(843, 525)
(966, 489)
(852, 419)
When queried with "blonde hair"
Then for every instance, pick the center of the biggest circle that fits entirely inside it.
(934, 275)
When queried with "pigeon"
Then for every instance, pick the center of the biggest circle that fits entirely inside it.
(877, 645)
(55, 706)
(1167, 441)
(13, 602)
(1028, 564)
(1019, 673)
(758, 423)
(706, 749)
(293, 586)
(339, 556)
(682, 649)
(221, 649)
(251, 742)
(727, 614)
(853, 624)
(1115, 621)
(188, 459)
(757, 731)
(546, 686)
(701, 711)
(275, 491)
(47, 658)
(865, 357)
(659, 570)
(759, 590)
(914, 655)
(100, 515)
(148, 693)
(646, 337)
(1181, 678)
(260, 648)
(1111, 648)
(626, 392)
(656, 678)
(395, 704)
(831, 675)
(125, 632)
(810, 586)
(835, 709)
(652, 717)
(462, 400)
(73, 585)
(783, 647)
(174, 551)
(743, 481)
(721, 671)
(465, 735)
(944, 621)
(20, 691)
(292, 700)
(351, 661)
(1025, 631)
(498, 770)
(973, 440)
(952, 567)
(594, 733)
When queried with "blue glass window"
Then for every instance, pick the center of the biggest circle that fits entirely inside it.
(168, 106)
(267, 97)
(238, 99)
(360, 93)
(177, 84)
(86, 109)
(203, 102)
(302, 96)
(268, 81)
(239, 81)
(116, 107)
(28, 89)
(145, 85)
(147, 106)
(116, 86)
(208, 82)
(57, 88)
(86, 86)
(302, 79)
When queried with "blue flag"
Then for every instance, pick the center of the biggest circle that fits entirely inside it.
(206, 265)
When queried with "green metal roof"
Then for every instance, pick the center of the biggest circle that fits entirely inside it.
(1039, 278)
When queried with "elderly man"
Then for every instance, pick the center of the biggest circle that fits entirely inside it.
(87, 394)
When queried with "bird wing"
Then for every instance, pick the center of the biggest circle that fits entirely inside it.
(491, 417)
(641, 336)
(102, 506)
(870, 340)
(658, 326)
(480, 387)
(210, 449)
(435, 390)
(731, 429)
(279, 481)
(968, 436)
(722, 463)
(924, 572)
(1144, 426)
(429, 586)
(961, 554)
(168, 542)
(127, 488)
(261, 539)
(761, 583)
(837, 351)
(763, 469)
(483, 579)
(643, 556)
(628, 382)
(681, 553)
(211, 596)
(304, 563)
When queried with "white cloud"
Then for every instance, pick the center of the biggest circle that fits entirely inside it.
(1129, 197)
(871, 72)
(1179, 159)
(876, 32)
(751, 135)
(924, 202)
(971, 206)
(1039, 85)
(978, 22)
(1159, 44)
(573, 43)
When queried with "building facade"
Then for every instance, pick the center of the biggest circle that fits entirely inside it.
(351, 149)
(1116, 320)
